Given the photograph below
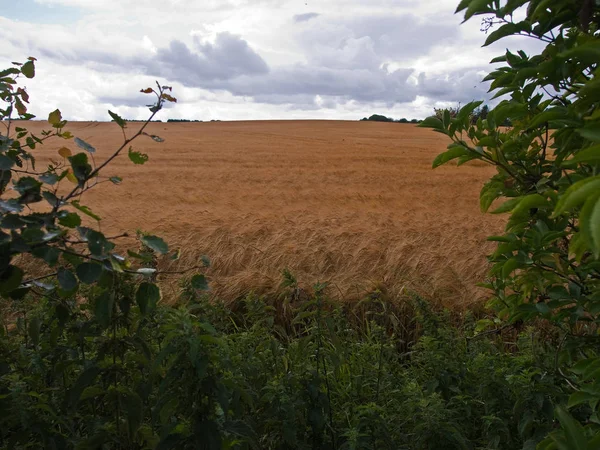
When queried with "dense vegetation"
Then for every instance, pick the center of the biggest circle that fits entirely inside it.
(547, 263)
(380, 118)
(308, 375)
(89, 358)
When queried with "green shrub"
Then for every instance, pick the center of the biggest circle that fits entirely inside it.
(171, 379)
(546, 265)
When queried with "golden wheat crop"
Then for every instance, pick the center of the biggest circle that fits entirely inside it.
(355, 204)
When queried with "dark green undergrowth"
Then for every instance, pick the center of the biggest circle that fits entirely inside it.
(205, 376)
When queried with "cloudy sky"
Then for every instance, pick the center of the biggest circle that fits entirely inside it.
(248, 59)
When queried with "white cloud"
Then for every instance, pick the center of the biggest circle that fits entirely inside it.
(235, 59)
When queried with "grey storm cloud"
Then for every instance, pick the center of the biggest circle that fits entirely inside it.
(230, 56)
(345, 60)
(351, 72)
(305, 17)
(301, 80)
(458, 86)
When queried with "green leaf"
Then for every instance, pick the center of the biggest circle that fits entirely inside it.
(115, 180)
(70, 220)
(462, 5)
(155, 243)
(432, 122)
(89, 272)
(6, 163)
(49, 178)
(81, 168)
(103, 308)
(51, 198)
(543, 308)
(489, 192)
(137, 157)
(66, 279)
(589, 220)
(579, 397)
(199, 282)
(28, 69)
(505, 30)
(588, 53)
(510, 266)
(591, 132)
(84, 209)
(476, 7)
(574, 432)
(595, 228)
(92, 392)
(145, 257)
(168, 409)
(27, 185)
(10, 279)
(118, 119)
(586, 156)
(147, 296)
(34, 326)
(97, 243)
(556, 113)
(507, 206)
(449, 155)
(84, 145)
(12, 222)
(9, 71)
(48, 254)
(466, 111)
(530, 201)
(86, 378)
(134, 408)
(30, 142)
(577, 194)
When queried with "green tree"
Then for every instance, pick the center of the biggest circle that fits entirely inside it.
(547, 262)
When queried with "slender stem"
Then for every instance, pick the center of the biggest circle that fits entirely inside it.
(74, 192)
(109, 238)
(43, 277)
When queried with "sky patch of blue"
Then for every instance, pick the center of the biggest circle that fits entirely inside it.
(33, 12)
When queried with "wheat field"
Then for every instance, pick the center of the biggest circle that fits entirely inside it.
(354, 204)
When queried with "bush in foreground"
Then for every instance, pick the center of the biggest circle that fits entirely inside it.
(202, 375)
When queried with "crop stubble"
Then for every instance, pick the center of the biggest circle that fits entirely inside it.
(352, 203)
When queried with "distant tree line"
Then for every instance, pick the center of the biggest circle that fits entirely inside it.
(380, 118)
(139, 120)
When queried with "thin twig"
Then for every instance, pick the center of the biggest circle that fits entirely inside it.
(43, 277)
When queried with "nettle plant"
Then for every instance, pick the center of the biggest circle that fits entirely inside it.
(547, 262)
(41, 210)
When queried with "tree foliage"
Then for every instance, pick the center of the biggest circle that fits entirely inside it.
(59, 231)
(546, 264)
